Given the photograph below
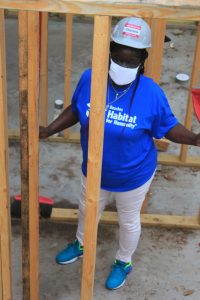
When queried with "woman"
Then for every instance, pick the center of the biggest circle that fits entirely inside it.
(136, 112)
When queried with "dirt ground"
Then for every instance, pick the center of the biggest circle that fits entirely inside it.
(167, 262)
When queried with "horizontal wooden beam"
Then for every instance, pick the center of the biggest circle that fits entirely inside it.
(147, 220)
(163, 9)
(71, 137)
(174, 160)
(74, 137)
(163, 158)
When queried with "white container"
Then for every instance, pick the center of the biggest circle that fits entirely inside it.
(58, 107)
(182, 77)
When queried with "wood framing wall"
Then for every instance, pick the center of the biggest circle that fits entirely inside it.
(97, 110)
(5, 259)
(162, 9)
(28, 96)
(158, 27)
(156, 12)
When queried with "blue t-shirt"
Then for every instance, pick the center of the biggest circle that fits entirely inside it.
(129, 154)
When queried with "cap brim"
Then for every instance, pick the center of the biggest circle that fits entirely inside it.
(137, 45)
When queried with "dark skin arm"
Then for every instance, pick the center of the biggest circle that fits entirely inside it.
(65, 120)
(179, 134)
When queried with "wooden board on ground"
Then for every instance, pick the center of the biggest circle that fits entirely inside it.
(147, 220)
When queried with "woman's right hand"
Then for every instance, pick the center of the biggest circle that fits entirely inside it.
(43, 132)
(65, 120)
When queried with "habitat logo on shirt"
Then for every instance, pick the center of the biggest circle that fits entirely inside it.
(116, 116)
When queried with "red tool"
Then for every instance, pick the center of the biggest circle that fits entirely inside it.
(196, 102)
(45, 205)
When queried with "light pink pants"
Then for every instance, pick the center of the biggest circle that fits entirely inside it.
(128, 207)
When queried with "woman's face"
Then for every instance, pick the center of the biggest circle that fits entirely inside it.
(126, 57)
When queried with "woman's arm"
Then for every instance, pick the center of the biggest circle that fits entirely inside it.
(65, 120)
(181, 135)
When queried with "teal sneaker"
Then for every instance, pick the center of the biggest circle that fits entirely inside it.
(118, 275)
(70, 254)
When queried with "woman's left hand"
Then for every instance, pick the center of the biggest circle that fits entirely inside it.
(181, 135)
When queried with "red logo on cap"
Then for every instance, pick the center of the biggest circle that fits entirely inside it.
(132, 30)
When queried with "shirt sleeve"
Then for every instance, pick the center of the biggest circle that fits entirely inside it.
(75, 96)
(85, 79)
(164, 120)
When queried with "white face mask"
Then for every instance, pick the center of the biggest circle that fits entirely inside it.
(121, 75)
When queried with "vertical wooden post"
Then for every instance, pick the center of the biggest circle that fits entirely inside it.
(28, 86)
(96, 132)
(5, 253)
(68, 62)
(193, 82)
(44, 69)
(33, 93)
(23, 105)
(154, 62)
(1, 276)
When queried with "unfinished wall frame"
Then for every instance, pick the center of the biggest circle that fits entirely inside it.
(28, 99)
(158, 27)
(156, 13)
(5, 235)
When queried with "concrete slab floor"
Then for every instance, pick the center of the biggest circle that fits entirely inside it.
(167, 262)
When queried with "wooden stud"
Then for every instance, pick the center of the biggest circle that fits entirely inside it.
(158, 28)
(68, 62)
(163, 158)
(74, 137)
(193, 82)
(28, 84)
(33, 92)
(174, 160)
(44, 69)
(68, 58)
(153, 69)
(170, 221)
(23, 107)
(162, 9)
(101, 43)
(5, 233)
(147, 220)
(1, 276)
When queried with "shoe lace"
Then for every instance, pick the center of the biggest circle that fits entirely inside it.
(76, 245)
(120, 267)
